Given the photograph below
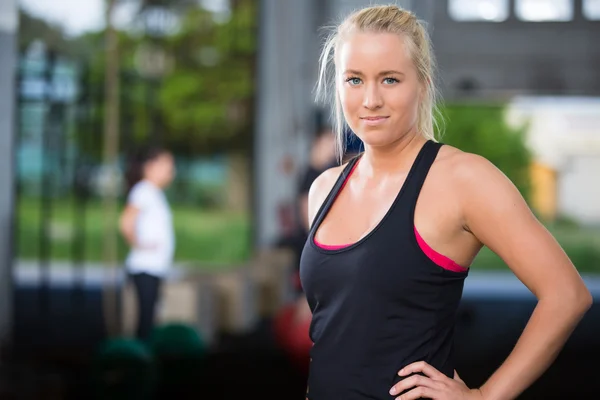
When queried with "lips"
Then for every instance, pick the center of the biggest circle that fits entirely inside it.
(377, 118)
(374, 120)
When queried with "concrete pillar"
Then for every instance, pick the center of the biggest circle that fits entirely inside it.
(288, 46)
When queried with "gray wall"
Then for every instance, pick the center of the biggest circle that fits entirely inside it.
(8, 25)
(285, 116)
(517, 57)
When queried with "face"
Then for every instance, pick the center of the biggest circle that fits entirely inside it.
(161, 170)
(378, 87)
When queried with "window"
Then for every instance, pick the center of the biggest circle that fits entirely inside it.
(591, 9)
(478, 10)
(544, 10)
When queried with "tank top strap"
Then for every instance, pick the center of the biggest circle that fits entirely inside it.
(335, 190)
(418, 175)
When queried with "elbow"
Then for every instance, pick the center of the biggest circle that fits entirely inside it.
(582, 296)
(585, 300)
(122, 229)
(583, 304)
(573, 300)
(579, 298)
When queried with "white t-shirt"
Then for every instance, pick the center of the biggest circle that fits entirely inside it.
(153, 231)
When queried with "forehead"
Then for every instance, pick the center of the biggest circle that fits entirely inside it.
(368, 52)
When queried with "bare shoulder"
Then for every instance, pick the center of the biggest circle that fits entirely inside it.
(323, 184)
(484, 194)
(468, 171)
(321, 187)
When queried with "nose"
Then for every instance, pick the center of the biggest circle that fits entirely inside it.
(372, 98)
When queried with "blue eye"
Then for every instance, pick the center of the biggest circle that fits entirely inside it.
(353, 81)
(390, 81)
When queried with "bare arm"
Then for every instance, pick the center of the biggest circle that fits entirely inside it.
(496, 213)
(319, 190)
(127, 224)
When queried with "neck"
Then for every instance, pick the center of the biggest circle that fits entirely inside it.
(153, 182)
(398, 156)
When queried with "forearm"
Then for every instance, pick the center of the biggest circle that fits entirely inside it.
(548, 329)
(129, 235)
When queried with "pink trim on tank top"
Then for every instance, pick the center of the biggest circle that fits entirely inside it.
(439, 259)
(331, 246)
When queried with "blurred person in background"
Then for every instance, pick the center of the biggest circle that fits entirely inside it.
(322, 157)
(146, 224)
(292, 321)
(395, 230)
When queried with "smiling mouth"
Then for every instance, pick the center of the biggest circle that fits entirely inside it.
(373, 118)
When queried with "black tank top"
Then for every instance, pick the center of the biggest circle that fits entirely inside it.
(380, 303)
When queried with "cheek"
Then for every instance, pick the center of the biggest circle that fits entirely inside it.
(405, 100)
(351, 99)
(164, 171)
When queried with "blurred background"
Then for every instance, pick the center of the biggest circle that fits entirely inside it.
(227, 86)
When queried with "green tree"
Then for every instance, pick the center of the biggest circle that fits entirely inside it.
(482, 129)
(207, 100)
(203, 101)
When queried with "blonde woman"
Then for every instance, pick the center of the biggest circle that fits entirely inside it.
(394, 231)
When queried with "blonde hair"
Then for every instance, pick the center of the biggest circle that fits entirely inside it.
(381, 19)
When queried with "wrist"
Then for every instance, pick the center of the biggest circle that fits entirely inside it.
(484, 394)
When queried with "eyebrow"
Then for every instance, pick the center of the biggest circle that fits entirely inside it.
(388, 72)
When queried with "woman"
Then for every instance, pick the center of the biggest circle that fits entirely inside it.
(384, 285)
(146, 224)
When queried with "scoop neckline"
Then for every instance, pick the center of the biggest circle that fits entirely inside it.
(354, 245)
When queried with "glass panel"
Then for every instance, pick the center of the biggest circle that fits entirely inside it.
(591, 9)
(544, 10)
(478, 10)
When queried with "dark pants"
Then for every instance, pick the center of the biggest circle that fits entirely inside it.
(147, 288)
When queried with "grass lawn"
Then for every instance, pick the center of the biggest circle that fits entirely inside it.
(214, 239)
